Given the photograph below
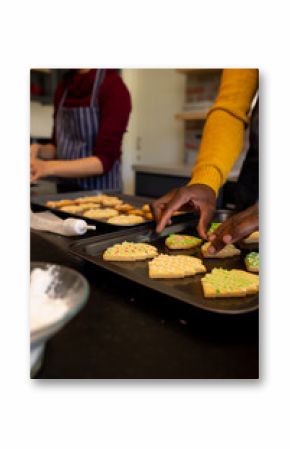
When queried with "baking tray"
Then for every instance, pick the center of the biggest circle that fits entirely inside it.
(187, 290)
(39, 202)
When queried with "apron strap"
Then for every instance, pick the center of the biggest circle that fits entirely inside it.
(62, 99)
(100, 75)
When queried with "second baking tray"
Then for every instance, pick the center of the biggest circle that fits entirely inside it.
(39, 203)
(189, 289)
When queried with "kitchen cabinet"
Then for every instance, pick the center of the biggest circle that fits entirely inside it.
(43, 83)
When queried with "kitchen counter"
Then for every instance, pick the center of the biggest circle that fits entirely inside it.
(178, 170)
(127, 331)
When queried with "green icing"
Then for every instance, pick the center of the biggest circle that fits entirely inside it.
(213, 227)
(182, 239)
(252, 259)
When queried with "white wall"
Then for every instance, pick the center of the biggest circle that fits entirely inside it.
(154, 136)
(40, 120)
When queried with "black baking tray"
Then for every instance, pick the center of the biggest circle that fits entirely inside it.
(39, 201)
(187, 290)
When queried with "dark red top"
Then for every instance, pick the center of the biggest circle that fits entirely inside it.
(114, 105)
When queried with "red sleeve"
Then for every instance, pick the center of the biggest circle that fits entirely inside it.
(115, 107)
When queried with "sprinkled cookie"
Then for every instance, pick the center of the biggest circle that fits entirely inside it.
(252, 262)
(130, 252)
(229, 283)
(178, 241)
(165, 266)
(227, 251)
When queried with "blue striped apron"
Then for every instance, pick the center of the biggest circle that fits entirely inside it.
(76, 133)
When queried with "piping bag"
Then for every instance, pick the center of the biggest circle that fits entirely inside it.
(47, 221)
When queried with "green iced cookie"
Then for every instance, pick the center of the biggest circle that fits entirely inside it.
(178, 241)
(252, 262)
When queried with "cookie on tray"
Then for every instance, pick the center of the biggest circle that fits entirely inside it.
(222, 283)
(130, 252)
(111, 201)
(178, 212)
(146, 207)
(171, 267)
(87, 206)
(89, 199)
(252, 238)
(213, 227)
(124, 220)
(99, 214)
(74, 209)
(179, 241)
(149, 216)
(125, 207)
(60, 203)
(138, 212)
(252, 262)
(227, 251)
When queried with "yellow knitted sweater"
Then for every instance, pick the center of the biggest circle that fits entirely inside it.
(222, 139)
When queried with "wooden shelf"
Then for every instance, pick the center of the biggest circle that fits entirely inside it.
(199, 71)
(192, 115)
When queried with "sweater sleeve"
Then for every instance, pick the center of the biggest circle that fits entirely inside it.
(223, 134)
(115, 107)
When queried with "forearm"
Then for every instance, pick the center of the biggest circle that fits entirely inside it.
(88, 166)
(47, 151)
(221, 145)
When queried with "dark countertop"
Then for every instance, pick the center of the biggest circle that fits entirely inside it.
(127, 331)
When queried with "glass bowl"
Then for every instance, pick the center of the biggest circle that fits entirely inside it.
(66, 284)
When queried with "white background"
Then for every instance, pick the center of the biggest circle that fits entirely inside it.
(191, 414)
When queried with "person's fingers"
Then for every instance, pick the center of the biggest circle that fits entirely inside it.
(227, 238)
(232, 233)
(217, 237)
(159, 205)
(33, 176)
(241, 230)
(163, 221)
(215, 246)
(156, 210)
(173, 205)
(206, 215)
